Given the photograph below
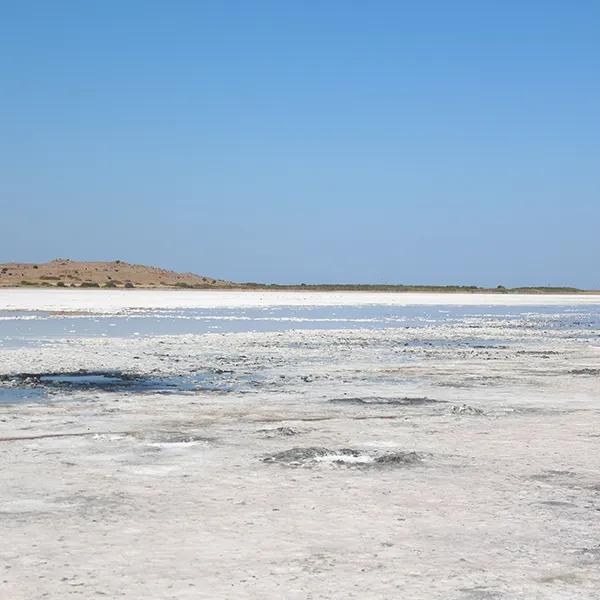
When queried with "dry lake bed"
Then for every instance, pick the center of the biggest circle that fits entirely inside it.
(191, 445)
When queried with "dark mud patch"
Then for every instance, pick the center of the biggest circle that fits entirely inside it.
(276, 432)
(42, 436)
(593, 372)
(21, 386)
(554, 476)
(473, 382)
(381, 401)
(82, 379)
(568, 578)
(480, 593)
(532, 411)
(589, 555)
(452, 384)
(541, 353)
(398, 459)
(177, 437)
(300, 456)
(489, 347)
(465, 410)
(347, 457)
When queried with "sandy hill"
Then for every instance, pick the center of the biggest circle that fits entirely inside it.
(115, 274)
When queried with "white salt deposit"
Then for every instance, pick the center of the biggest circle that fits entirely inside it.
(158, 487)
(104, 301)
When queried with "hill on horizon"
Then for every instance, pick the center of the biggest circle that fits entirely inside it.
(67, 273)
(63, 272)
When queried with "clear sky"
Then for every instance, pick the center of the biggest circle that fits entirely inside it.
(305, 141)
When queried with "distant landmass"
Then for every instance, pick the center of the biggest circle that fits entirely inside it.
(66, 273)
(115, 274)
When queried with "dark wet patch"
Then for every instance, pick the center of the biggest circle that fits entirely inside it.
(177, 437)
(15, 395)
(92, 503)
(552, 474)
(279, 432)
(589, 555)
(398, 459)
(489, 347)
(474, 381)
(348, 457)
(95, 434)
(538, 352)
(84, 380)
(558, 503)
(302, 455)
(584, 372)
(465, 410)
(375, 417)
(530, 411)
(569, 578)
(22, 385)
(451, 384)
(380, 401)
(480, 593)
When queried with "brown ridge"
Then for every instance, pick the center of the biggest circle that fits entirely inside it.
(114, 274)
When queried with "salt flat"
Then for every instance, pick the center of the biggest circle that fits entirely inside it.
(449, 451)
(116, 300)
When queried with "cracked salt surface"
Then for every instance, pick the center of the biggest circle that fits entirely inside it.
(321, 458)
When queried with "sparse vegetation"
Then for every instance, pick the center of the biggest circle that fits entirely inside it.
(360, 287)
(122, 274)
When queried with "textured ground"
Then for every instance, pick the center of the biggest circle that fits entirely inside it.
(454, 461)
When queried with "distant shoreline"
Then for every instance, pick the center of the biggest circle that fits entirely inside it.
(118, 274)
(366, 288)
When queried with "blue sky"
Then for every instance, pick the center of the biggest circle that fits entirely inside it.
(340, 141)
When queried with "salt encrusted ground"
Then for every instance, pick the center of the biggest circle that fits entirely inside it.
(305, 463)
(105, 301)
